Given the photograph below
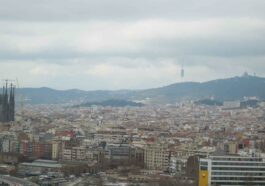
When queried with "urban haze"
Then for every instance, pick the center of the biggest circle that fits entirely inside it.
(132, 92)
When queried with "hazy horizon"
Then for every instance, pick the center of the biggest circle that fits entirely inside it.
(136, 89)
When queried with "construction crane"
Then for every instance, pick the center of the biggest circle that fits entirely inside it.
(20, 100)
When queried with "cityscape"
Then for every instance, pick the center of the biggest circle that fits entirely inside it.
(186, 143)
(132, 93)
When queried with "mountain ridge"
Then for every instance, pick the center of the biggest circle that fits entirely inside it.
(235, 88)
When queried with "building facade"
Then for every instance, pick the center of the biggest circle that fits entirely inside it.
(231, 170)
(156, 157)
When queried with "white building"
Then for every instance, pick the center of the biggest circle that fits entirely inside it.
(232, 170)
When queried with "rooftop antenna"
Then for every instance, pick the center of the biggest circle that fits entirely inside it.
(182, 73)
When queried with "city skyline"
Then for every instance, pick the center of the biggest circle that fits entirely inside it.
(132, 93)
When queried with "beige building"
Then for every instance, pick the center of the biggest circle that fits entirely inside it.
(78, 153)
(156, 157)
(55, 150)
(230, 148)
(67, 154)
(75, 153)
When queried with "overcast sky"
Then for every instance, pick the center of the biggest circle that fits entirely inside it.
(129, 44)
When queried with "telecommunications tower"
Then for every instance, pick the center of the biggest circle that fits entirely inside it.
(182, 73)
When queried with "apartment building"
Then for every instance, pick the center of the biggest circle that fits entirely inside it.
(156, 157)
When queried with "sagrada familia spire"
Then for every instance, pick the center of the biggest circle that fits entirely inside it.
(7, 104)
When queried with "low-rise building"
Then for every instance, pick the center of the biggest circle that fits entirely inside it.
(39, 167)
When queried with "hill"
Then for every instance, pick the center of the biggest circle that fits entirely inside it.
(112, 103)
(235, 88)
(222, 89)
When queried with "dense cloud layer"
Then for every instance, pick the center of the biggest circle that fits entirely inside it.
(129, 44)
(80, 10)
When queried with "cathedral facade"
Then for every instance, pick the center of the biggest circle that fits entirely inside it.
(7, 104)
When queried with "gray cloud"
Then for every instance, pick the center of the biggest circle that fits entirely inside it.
(66, 10)
(46, 42)
(146, 39)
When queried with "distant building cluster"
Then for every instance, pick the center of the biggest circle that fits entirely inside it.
(186, 144)
(7, 104)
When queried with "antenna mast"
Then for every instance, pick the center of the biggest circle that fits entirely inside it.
(182, 73)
